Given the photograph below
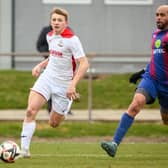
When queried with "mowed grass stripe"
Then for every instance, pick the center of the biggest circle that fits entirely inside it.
(90, 155)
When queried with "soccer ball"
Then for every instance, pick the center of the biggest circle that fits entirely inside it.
(9, 151)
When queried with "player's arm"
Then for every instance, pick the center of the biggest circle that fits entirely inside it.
(82, 68)
(37, 69)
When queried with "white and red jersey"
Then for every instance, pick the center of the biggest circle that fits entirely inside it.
(64, 49)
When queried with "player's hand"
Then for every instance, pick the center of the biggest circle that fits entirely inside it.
(71, 92)
(77, 99)
(134, 77)
(36, 71)
(165, 46)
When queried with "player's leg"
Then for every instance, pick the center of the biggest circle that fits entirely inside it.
(163, 101)
(127, 118)
(55, 119)
(142, 96)
(60, 107)
(60, 104)
(35, 102)
(164, 115)
(125, 123)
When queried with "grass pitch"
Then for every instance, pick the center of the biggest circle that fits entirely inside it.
(116, 89)
(90, 155)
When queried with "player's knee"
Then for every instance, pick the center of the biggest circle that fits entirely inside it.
(30, 113)
(135, 107)
(55, 119)
(54, 124)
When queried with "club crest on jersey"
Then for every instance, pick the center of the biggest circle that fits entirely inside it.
(60, 43)
(158, 43)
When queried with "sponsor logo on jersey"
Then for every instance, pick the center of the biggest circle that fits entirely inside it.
(157, 49)
(56, 53)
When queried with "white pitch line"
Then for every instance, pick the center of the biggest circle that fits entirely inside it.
(69, 155)
(144, 155)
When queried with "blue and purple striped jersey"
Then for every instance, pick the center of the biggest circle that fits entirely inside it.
(158, 67)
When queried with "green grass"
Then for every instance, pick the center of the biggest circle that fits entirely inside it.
(112, 91)
(90, 155)
(109, 91)
(14, 88)
(84, 129)
(58, 147)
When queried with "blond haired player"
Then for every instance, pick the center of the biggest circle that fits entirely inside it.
(59, 79)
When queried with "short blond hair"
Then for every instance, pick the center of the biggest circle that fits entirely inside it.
(60, 11)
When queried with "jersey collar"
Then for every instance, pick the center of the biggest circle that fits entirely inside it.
(67, 33)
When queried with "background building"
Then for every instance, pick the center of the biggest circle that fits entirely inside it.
(104, 26)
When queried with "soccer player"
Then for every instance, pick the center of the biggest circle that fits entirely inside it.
(59, 79)
(42, 46)
(154, 83)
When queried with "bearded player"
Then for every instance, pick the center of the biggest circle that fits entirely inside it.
(154, 83)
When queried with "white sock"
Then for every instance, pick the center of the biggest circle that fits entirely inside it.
(28, 129)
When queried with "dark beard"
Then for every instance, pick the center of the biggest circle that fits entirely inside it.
(159, 26)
